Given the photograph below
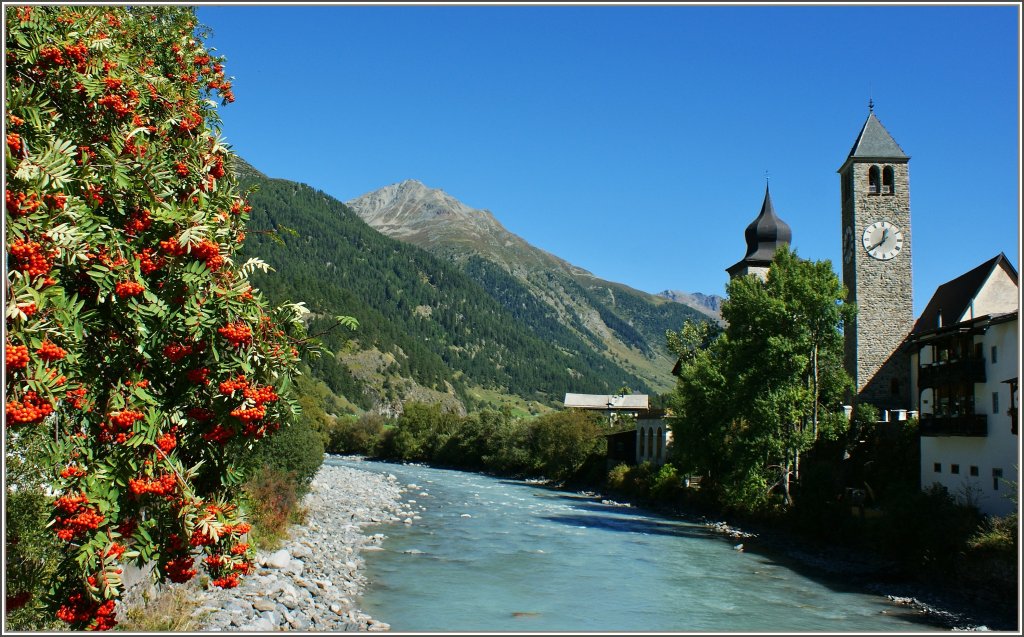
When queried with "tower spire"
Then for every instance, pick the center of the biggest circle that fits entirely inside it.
(871, 105)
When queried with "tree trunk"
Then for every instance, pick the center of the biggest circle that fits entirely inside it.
(814, 416)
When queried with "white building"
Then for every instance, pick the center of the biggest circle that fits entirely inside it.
(965, 357)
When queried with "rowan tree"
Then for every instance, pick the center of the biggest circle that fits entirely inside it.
(132, 335)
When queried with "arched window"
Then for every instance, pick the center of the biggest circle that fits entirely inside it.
(873, 179)
(650, 442)
(640, 435)
(657, 456)
(888, 179)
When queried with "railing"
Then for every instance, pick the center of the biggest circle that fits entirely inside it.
(975, 425)
(971, 370)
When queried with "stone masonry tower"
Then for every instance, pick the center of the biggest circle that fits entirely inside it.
(875, 186)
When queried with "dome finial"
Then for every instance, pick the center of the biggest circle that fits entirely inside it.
(871, 105)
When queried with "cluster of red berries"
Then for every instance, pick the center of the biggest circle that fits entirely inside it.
(31, 409)
(219, 434)
(239, 206)
(208, 251)
(189, 122)
(125, 289)
(14, 143)
(198, 376)
(75, 519)
(117, 104)
(15, 357)
(76, 55)
(180, 569)
(138, 222)
(28, 309)
(163, 485)
(232, 384)
(50, 352)
(72, 471)
(237, 333)
(149, 262)
(20, 204)
(30, 257)
(177, 351)
(167, 442)
(171, 247)
(115, 551)
(81, 609)
(76, 397)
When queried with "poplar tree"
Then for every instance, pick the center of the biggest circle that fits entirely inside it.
(751, 402)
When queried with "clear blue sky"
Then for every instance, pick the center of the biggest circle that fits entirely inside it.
(633, 141)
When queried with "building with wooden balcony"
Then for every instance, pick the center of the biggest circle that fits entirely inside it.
(964, 356)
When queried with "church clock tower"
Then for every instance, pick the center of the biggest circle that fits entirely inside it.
(875, 187)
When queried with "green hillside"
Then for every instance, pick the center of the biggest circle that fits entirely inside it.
(424, 319)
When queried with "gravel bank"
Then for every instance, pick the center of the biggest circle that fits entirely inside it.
(311, 582)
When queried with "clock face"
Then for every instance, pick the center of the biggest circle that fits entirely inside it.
(848, 244)
(882, 240)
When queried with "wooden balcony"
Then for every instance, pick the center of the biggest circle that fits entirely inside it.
(973, 425)
(965, 370)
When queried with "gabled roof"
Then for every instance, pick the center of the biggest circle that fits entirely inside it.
(874, 142)
(953, 298)
(607, 401)
(764, 235)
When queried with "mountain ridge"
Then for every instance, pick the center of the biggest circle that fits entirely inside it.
(628, 323)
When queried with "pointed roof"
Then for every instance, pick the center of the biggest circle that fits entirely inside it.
(951, 299)
(875, 143)
(764, 235)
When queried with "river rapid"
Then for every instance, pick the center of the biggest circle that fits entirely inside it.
(492, 554)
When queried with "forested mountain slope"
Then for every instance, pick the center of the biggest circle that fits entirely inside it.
(626, 324)
(427, 328)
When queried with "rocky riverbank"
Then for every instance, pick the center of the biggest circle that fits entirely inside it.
(312, 582)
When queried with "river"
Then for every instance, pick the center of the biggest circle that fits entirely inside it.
(491, 554)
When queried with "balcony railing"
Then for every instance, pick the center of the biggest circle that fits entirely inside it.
(965, 370)
(967, 425)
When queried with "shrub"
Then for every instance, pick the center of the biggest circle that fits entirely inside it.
(360, 435)
(561, 442)
(295, 450)
(272, 500)
(667, 484)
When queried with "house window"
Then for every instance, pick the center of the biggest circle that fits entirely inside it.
(894, 387)
(657, 455)
(994, 357)
(974, 471)
(995, 402)
(873, 179)
(640, 435)
(997, 475)
(887, 181)
(954, 468)
(937, 467)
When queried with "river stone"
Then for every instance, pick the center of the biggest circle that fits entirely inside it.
(279, 559)
(264, 604)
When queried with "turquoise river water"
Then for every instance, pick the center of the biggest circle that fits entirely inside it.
(495, 555)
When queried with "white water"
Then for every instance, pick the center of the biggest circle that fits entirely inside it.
(490, 554)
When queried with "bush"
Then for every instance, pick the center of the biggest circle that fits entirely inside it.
(667, 484)
(925, 530)
(361, 435)
(294, 450)
(272, 500)
(563, 441)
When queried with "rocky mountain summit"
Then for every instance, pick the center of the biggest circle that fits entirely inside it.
(710, 304)
(626, 325)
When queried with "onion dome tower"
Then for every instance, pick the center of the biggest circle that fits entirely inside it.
(764, 235)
